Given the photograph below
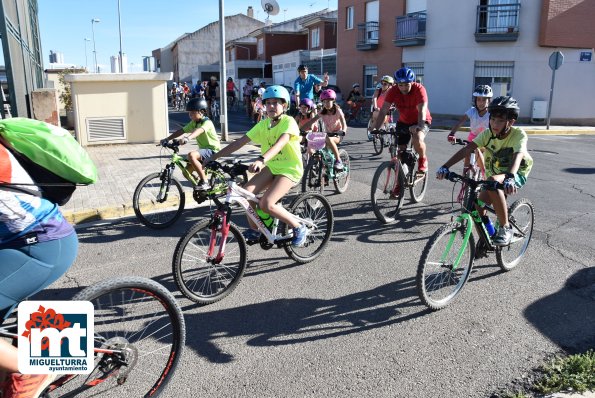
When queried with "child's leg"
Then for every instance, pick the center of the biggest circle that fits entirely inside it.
(498, 201)
(257, 184)
(277, 190)
(331, 142)
(194, 160)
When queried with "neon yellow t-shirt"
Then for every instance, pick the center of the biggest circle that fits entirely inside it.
(207, 140)
(288, 162)
(499, 153)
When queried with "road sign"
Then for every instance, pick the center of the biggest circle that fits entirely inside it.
(556, 60)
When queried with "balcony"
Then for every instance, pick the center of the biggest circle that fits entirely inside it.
(498, 22)
(367, 36)
(411, 30)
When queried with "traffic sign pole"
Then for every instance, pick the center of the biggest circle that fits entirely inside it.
(556, 60)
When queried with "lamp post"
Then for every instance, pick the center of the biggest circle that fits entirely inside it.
(93, 21)
(120, 35)
(86, 63)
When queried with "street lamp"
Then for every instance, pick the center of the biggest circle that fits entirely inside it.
(93, 21)
(86, 63)
(120, 35)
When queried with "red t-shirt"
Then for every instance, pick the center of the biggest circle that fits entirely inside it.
(407, 104)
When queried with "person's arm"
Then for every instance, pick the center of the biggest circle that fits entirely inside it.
(456, 158)
(231, 148)
(382, 114)
(195, 133)
(343, 121)
(308, 125)
(375, 100)
(325, 79)
(456, 127)
(296, 88)
(173, 135)
(422, 111)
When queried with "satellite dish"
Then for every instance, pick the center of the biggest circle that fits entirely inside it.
(270, 7)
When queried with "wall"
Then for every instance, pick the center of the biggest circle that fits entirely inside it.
(451, 50)
(567, 23)
(140, 98)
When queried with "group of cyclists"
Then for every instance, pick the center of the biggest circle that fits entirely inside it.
(181, 93)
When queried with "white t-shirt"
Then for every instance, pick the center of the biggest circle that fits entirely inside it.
(477, 124)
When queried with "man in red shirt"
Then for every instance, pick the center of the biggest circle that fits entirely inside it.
(411, 101)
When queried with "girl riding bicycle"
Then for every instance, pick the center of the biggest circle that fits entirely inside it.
(333, 122)
(37, 246)
(479, 121)
(279, 167)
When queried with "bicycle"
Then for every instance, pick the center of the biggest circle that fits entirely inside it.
(447, 259)
(392, 177)
(210, 258)
(140, 335)
(320, 168)
(378, 140)
(473, 172)
(159, 199)
(215, 112)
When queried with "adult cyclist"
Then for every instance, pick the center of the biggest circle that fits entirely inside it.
(411, 101)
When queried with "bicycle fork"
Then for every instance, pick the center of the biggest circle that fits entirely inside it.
(219, 223)
(463, 219)
(165, 182)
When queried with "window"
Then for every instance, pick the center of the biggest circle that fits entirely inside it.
(370, 74)
(315, 42)
(349, 18)
(418, 69)
(260, 46)
(497, 74)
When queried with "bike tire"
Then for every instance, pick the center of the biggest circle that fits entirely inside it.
(378, 143)
(419, 184)
(521, 216)
(149, 210)
(316, 208)
(437, 283)
(387, 192)
(197, 277)
(342, 181)
(141, 318)
(313, 179)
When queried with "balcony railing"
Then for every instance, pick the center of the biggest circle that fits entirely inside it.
(497, 22)
(411, 29)
(367, 36)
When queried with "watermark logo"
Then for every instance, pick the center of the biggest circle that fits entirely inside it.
(55, 337)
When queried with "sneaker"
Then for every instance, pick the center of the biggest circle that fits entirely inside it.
(503, 236)
(251, 234)
(204, 186)
(338, 165)
(422, 165)
(299, 235)
(26, 386)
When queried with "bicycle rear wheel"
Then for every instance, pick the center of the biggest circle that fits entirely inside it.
(342, 180)
(378, 142)
(387, 190)
(313, 179)
(419, 185)
(438, 279)
(202, 278)
(140, 329)
(154, 210)
(316, 208)
(521, 216)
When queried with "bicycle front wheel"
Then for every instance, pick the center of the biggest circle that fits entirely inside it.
(156, 204)
(140, 330)
(378, 142)
(521, 217)
(341, 180)
(388, 188)
(419, 184)
(445, 265)
(315, 208)
(200, 275)
(313, 179)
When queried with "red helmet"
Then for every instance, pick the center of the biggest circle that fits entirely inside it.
(328, 95)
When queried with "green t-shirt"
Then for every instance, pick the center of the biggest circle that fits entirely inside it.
(207, 140)
(499, 153)
(288, 162)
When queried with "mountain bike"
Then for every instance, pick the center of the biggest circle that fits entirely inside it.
(159, 198)
(210, 259)
(447, 259)
(392, 177)
(320, 169)
(460, 188)
(139, 338)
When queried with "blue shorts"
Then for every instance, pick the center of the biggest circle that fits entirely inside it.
(204, 154)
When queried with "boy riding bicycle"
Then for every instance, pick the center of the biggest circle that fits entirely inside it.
(279, 167)
(201, 128)
(506, 161)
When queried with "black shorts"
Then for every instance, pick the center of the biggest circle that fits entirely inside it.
(403, 133)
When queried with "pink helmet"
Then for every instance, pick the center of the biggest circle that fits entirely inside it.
(328, 95)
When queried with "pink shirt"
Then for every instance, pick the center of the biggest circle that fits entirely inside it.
(332, 123)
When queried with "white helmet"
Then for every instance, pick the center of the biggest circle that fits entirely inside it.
(261, 91)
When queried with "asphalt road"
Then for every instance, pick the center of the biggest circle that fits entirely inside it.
(350, 324)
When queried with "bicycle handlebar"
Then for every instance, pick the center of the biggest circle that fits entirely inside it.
(459, 141)
(490, 185)
(173, 145)
(234, 170)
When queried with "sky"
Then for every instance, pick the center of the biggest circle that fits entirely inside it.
(146, 25)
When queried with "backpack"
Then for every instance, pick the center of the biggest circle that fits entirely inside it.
(50, 155)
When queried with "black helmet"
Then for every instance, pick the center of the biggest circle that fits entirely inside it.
(506, 106)
(302, 67)
(197, 104)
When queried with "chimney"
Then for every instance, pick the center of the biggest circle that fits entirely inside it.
(250, 12)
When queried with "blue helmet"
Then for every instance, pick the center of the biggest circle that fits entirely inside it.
(404, 75)
(276, 92)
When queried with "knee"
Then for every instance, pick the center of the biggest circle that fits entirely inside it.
(265, 204)
(194, 155)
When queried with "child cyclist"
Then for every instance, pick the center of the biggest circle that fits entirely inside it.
(506, 160)
(201, 128)
(307, 111)
(333, 122)
(479, 120)
(279, 167)
(378, 100)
